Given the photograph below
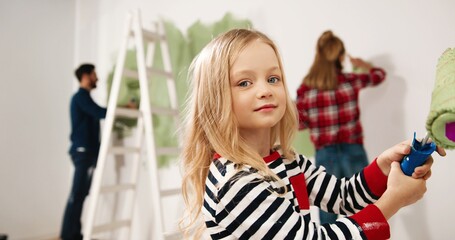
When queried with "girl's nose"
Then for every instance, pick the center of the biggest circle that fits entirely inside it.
(264, 90)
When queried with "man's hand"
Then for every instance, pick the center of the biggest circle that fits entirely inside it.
(132, 103)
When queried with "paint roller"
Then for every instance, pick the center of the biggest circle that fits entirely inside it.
(441, 120)
(440, 123)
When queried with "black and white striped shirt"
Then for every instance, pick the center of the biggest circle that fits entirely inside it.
(242, 204)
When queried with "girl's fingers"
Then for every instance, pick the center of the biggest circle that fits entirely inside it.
(424, 170)
(441, 151)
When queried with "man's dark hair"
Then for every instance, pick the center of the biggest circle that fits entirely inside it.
(85, 68)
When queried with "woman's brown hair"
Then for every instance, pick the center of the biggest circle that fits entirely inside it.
(326, 65)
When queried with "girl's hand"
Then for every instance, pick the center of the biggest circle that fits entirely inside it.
(393, 154)
(397, 153)
(424, 171)
(408, 190)
(401, 191)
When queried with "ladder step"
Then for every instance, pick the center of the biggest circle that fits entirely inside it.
(177, 235)
(168, 151)
(152, 36)
(150, 71)
(124, 150)
(130, 73)
(155, 71)
(117, 188)
(164, 111)
(111, 226)
(171, 192)
(128, 112)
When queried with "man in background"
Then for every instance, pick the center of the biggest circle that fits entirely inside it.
(85, 144)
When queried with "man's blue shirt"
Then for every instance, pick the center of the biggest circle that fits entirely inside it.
(85, 123)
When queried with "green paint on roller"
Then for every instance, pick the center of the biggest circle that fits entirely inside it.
(441, 119)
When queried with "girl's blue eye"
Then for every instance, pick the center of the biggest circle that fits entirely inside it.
(273, 79)
(244, 84)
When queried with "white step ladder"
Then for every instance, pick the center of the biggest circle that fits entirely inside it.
(145, 130)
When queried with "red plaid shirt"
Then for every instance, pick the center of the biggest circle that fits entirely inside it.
(333, 116)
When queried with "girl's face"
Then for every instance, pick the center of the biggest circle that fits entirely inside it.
(258, 93)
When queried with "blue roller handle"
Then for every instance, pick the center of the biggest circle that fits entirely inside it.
(418, 155)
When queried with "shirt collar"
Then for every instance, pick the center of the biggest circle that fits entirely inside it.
(274, 155)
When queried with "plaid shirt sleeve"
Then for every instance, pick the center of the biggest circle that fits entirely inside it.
(374, 77)
(303, 115)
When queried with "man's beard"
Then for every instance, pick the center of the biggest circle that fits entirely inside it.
(93, 85)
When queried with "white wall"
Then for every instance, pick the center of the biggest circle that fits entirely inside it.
(37, 60)
(36, 64)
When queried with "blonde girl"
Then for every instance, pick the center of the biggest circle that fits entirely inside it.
(240, 172)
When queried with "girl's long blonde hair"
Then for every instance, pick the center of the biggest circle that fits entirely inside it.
(210, 125)
(323, 72)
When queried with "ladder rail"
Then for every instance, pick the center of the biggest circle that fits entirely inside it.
(149, 55)
(168, 67)
(131, 198)
(170, 80)
(148, 127)
(107, 132)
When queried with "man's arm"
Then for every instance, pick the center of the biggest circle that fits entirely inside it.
(87, 105)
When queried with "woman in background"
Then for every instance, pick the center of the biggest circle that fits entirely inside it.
(327, 102)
